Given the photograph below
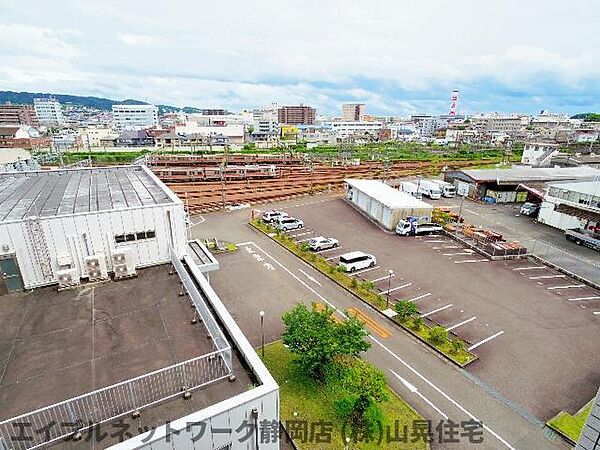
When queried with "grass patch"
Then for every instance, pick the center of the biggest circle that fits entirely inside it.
(303, 399)
(362, 290)
(568, 425)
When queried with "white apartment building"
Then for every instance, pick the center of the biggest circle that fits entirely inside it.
(538, 154)
(234, 133)
(343, 129)
(496, 123)
(134, 117)
(353, 112)
(93, 136)
(48, 111)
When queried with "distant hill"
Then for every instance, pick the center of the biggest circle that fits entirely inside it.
(588, 117)
(90, 102)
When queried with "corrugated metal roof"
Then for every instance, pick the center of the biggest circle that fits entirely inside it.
(524, 174)
(387, 195)
(58, 192)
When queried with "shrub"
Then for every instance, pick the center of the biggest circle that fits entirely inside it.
(304, 247)
(405, 309)
(417, 323)
(353, 282)
(368, 285)
(438, 335)
(457, 345)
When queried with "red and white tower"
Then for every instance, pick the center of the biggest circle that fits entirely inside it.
(453, 102)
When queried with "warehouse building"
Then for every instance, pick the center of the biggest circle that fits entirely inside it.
(384, 204)
(65, 226)
(574, 204)
(156, 355)
(502, 185)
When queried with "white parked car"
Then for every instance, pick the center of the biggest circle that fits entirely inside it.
(288, 223)
(322, 243)
(354, 261)
(273, 215)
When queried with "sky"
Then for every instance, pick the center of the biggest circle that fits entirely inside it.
(399, 57)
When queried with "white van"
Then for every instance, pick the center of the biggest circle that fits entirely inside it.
(353, 261)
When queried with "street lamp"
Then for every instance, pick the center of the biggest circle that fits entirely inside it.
(387, 295)
(462, 200)
(262, 332)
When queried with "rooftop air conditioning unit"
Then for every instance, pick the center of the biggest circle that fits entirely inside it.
(67, 278)
(123, 265)
(95, 266)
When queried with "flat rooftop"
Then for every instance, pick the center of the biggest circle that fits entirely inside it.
(67, 191)
(390, 197)
(523, 174)
(58, 345)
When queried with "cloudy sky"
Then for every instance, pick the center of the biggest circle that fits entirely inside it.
(399, 56)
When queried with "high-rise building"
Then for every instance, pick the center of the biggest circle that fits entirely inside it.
(296, 115)
(353, 112)
(134, 117)
(48, 111)
(18, 115)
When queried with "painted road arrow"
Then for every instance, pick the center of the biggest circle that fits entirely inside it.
(309, 277)
(414, 390)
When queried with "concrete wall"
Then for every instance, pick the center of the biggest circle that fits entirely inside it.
(81, 235)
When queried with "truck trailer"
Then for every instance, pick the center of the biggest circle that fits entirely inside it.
(448, 189)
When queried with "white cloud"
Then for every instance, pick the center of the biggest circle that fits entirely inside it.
(234, 53)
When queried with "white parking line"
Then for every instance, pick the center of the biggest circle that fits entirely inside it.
(446, 246)
(329, 249)
(332, 257)
(420, 297)
(471, 261)
(304, 240)
(300, 234)
(395, 289)
(579, 299)
(435, 242)
(368, 269)
(437, 310)
(383, 278)
(543, 277)
(596, 312)
(472, 212)
(461, 323)
(567, 286)
(391, 353)
(530, 268)
(485, 340)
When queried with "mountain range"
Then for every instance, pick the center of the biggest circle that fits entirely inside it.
(90, 102)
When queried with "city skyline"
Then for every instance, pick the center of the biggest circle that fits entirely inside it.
(398, 59)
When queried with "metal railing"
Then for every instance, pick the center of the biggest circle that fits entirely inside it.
(216, 334)
(63, 419)
(564, 260)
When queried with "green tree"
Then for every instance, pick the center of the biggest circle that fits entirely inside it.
(438, 335)
(318, 340)
(364, 387)
(405, 309)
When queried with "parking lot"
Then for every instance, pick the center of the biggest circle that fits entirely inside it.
(534, 329)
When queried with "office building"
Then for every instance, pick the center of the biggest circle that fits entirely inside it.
(18, 115)
(134, 117)
(48, 111)
(353, 112)
(296, 115)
